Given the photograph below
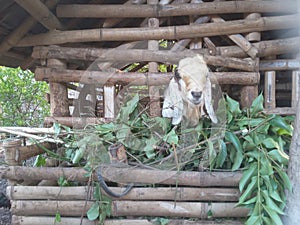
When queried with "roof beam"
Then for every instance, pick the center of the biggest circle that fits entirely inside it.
(41, 13)
(156, 11)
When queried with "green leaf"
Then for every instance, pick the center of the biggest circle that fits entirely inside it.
(57, 217)
(40, 161)
(233, 106)
(129, 107)
(247, 174)
(222, 155)
(273, 215)
(231, 137)
(93, 212)
(286, 180)
(278, 121)
(78, 154)
(278, 157)
(171, 137)
(270, 143)
(105, 128)
(257, 105)
(275, 195)
(270, 203)
(248, 190)
(253, 220)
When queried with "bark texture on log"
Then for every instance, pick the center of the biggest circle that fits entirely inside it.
(126, 175)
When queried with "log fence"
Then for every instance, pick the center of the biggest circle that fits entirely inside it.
(126, 47)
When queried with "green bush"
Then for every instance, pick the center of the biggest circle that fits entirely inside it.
(22, 99)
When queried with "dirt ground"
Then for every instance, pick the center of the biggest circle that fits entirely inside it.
(5, 215)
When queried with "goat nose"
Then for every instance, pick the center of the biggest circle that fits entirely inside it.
(196, 94)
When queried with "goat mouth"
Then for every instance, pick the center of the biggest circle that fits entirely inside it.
(195, 101)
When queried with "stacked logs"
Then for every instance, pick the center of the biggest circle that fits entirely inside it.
(185, 194)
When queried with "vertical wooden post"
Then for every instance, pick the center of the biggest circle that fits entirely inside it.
(109, 101)
(296, 86)
(59, 105)
(270, 95)
(249, 93)
(155, 109)
(11, 153)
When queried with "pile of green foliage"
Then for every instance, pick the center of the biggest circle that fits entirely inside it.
(22, 99)
(251, 141)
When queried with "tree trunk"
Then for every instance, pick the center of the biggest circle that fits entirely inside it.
(292, 216)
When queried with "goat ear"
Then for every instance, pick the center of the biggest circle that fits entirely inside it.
(208, 101)
(173, 104)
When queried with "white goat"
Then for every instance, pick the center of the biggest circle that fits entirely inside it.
(188, 91)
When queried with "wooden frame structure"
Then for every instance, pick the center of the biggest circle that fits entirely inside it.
(94, 48)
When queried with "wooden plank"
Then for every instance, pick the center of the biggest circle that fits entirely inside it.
(157, 79)
(156, 11)
(41, 13)
(168, 32)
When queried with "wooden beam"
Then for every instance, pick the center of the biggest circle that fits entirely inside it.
(152, 79)
(48, 220)
(12, 39)
(157, 10)
(168, 32)
(125, 175)
(41, 13)
(266, 48)
(279, 64)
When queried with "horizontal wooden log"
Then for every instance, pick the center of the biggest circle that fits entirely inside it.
(38, 220)
(26, 152)
(168, 33)
(76, 122)
(279, 64)
(126, 175)
(156, 11)
(282, 111)
(265, 48)
(137, 194)
(138, 55)
(151, 79)
(131, 208)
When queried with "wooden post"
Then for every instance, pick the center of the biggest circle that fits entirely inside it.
(154, 104)
(59, 105)
(270, 98)
(249, 93)
(11, 153)
(109, 101)
(296, 85)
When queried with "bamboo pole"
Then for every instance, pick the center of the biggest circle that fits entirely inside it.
(131, 208)
(157, 79)
(153, 45)
(143, 11)
(251, 50)
(17, 34)
(279, 64)
(41, 13)
(137, 193)
(38, 220)
(265, 48)
(78, 122)
(169, 32)
(125, 175)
